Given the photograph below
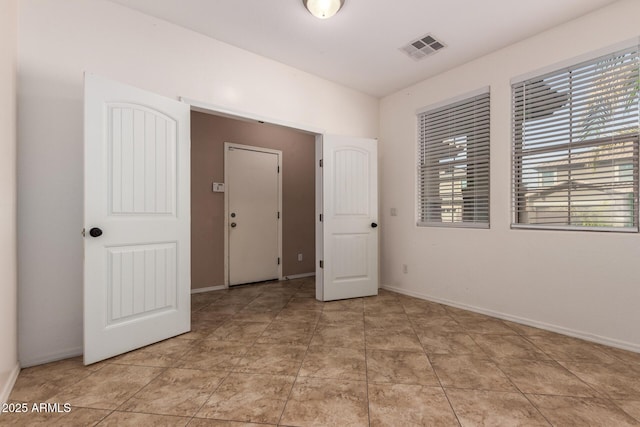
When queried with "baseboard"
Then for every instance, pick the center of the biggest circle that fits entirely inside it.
(210, 288)
(53, 357)
(528, 322)
(5, 390)
(299, 276)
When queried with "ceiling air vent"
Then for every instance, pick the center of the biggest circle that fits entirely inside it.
(422, 47)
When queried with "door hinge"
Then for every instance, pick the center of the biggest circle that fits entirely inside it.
(278, 260)
(321, 264)
(320, 162)
(278, 215)
(278, 169)
(320, 217)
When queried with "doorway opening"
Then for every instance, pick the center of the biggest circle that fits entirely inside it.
(210, 223)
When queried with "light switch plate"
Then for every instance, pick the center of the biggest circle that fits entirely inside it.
(217, 187)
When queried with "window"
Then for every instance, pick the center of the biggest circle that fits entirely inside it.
(453, 168)
(575, 146)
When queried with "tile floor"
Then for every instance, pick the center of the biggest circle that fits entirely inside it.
(271, 354)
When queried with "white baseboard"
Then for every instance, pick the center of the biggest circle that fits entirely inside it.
(528, 322)
(210, 288)
(299, 276)
(53, 357)
(5, 389)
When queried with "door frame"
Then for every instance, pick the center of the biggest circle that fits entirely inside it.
(278, 153)
(219, 110)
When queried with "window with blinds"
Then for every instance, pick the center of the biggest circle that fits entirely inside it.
(575, 146)
(453, 168)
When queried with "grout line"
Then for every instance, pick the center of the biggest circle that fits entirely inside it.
(284, 408)
(444, 391)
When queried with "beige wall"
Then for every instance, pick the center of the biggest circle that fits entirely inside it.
(8, 264)
(208, 135)
(579, 283)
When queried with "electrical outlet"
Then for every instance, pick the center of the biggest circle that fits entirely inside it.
(405, 268)
(299, 257)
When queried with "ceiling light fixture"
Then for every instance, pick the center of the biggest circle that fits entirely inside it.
(323, 9)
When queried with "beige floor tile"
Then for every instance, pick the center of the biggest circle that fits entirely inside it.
(436, 324)
(77, 417)
(491, 326)
(470, 372)
(213, 355)
(416, 307)
(304, 304)
(39, 385)
(347, 336)
(217, 309)
(202, 422)
(125, 419)
(573, 411)
(342, 318)
(249, 398)
(239, 365)
(246, 332)
(266, 306)
(381, 308)
(618, 380)
(400, 367)
(409, 405)
(544, 377)
(623, 355)
(289, 333)
(254, 316)
(509, 347)
(631, 407)
(175, 392)
(299, 316)
(323, 402)
(389, 322)
(528, 331)
(275, 359)
(107, 388)
(392, 340)
(355, 305)
(563, 348)
(493, 408)
(332, 362)
(200, 329)
(436, 342)
(466, 315)
(163, 354)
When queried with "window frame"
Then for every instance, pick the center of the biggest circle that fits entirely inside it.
(518, 190)
(420, 203)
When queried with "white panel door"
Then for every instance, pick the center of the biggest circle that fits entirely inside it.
(253, 208)
(350, 218)
(137, 277)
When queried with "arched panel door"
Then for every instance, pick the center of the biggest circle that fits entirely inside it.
(350, 218)
(137, 278)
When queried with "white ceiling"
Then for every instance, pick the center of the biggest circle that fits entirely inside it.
(358, 47)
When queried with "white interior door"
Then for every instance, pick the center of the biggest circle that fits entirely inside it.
(137, 276)
(350, 218)
(253, 213)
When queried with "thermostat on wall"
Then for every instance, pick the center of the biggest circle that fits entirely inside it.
(217, 187)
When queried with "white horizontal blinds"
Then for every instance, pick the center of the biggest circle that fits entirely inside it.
(453, 169)
(575, 156)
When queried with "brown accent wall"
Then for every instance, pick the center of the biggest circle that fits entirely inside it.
(208, 135)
